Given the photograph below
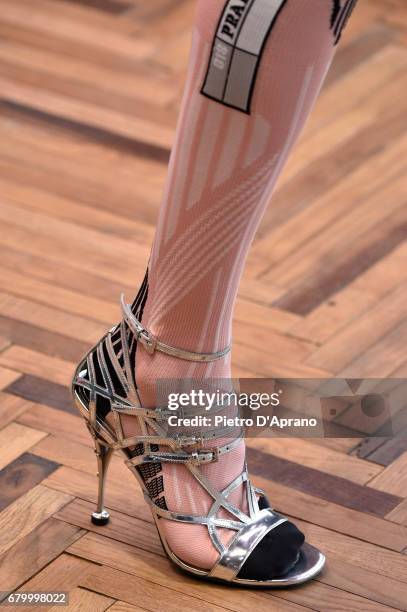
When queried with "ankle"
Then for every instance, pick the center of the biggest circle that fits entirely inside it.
(151, 369)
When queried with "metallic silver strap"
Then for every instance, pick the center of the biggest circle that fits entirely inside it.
(161, 413)
(243, 544)
(197, 457)
(158, 414)
(194, 519)
(152, 344)
(180, 441)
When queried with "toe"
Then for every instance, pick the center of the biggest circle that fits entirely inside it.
(275, 555)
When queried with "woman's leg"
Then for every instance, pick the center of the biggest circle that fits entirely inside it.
(255, 70)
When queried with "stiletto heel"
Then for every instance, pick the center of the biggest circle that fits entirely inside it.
(104, 390)
(104, 454)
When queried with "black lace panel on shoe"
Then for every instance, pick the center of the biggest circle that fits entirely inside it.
(341, 11)
(103, 404)
(149, 470)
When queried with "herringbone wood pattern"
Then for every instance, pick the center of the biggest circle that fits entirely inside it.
(89, 94)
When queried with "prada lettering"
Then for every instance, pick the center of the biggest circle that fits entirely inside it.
(242, 32)
(233, 18)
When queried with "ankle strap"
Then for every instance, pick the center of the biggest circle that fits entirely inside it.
(152, 344)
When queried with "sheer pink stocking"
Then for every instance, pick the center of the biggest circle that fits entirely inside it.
(223, 169)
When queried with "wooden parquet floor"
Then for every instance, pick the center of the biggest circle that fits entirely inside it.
(89, 94)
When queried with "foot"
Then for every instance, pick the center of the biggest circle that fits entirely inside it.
(277, 552)
(119, 371)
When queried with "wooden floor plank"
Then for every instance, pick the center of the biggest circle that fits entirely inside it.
(11, 407)
(100, 79)
(371, 326)
(55, 421)
(90, 94)
(16, 439)
(321, 596)
(20, 30)
(247, 311)
(138, 591)
(65, 208)
(66, 572)
(42, 340)
(382, 358)
(43, 132)
(83, 113)
(122, 528)
(78, 456)
(33, 363)
(7, 377)
(70, 278)
(85, 248)
(84, 486)
(378, 560)
(49, 393)
(393, 479)
(27, 512)
(326, 460)
(334, 314)
(83, 599)
(34, 551)
(357, 524)
(21, 475)
(384, 276)
(368, 250)
(251, 334)
(314, 482)
(122, 606)
(67, 27)
(49, 319)
(399, 513)
(370, 585)
(269, 366)
(60, 299)
(56, 176)
(159, 571)
(348, 136)
(4, 343)
(391, 450)
(328, 107)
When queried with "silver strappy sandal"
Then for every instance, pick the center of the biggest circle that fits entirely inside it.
(98, 390)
